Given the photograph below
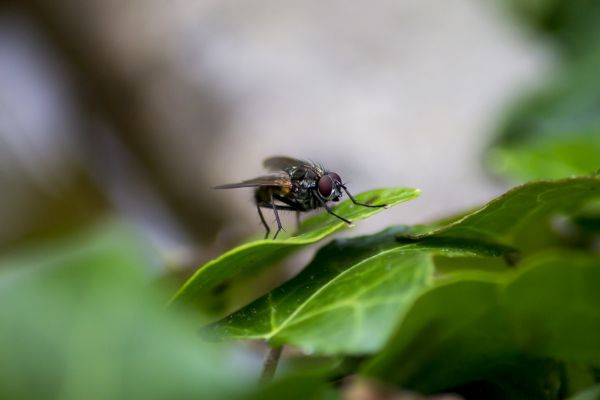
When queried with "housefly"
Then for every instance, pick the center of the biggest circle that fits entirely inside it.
(295, 185)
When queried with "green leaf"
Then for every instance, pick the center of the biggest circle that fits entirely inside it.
(348, 299)
(565, 155)
(79, 320)
(522, 217)
(555, 132)
(574, 305)
(492, 328)
(251, 257)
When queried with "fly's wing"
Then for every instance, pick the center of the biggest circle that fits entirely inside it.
(261, 181)
(285, 163)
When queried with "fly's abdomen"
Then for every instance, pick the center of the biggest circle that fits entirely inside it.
(263, 194)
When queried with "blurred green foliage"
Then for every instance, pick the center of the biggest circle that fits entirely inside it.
(554, 131)
(79, 320)
(572, 24)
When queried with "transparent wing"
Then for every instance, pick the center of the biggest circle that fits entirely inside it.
(269, 180)
(285, 163)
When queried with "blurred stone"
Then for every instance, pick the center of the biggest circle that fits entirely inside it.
(397, 94)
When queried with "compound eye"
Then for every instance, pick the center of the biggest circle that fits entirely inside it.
(335, 177)
(325, 186)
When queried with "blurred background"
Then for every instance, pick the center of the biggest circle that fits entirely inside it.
(129, 111)
(137, 108)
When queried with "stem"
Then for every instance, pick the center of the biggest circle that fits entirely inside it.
(270, 364)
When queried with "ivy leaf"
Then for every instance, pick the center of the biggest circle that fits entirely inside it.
(251, 257)
(354, 291)
(522, 217)
(348, 299)
(565, 285)
(481, 327)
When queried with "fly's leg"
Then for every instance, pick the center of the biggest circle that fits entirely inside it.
(279, 227)
(363, 204)
(335, 215)
(278, 207)
(290, 206)
(262, 219)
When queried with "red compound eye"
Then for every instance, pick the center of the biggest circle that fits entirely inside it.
(335, 177)
(325, 186)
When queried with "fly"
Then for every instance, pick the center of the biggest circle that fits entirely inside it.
(295, 185)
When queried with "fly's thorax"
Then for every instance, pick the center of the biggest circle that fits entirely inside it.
(303, 193)
(306, 175)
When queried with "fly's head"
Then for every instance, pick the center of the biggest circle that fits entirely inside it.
(329, 187)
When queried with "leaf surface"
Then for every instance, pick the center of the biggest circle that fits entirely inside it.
(481, 327)
(251, 257)
(348, 299)
(520, 218)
